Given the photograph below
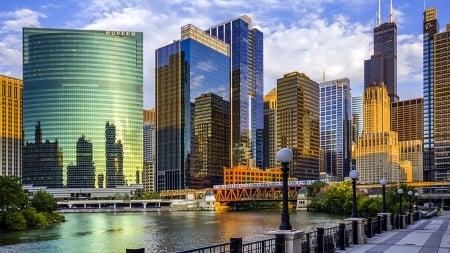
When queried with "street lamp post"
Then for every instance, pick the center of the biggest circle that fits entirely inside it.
(410, 193)
(285, 157)
(400, 194)
(417, 196)
(383, 183)
(354, 176)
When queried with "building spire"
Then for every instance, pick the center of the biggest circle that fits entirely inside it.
(391, 14)
(379, 13)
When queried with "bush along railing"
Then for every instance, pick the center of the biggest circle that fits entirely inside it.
(323, 240)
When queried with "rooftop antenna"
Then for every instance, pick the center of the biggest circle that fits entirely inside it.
(391, 14)
(379, 13)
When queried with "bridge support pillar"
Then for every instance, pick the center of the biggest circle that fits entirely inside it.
(292, 240)
(387, 224)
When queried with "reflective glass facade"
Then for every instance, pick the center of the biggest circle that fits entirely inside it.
(247, 108)
(357, 118)
(86, 83)
(335, 126)
(195, 65)
(382, 66)
(430, 27)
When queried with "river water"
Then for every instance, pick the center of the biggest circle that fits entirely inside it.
(157, 232)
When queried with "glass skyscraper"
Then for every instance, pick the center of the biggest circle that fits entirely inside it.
(84, 83)
(430, 28)
(247, 108)
(382, 65)
(186, 69)
(335, 126)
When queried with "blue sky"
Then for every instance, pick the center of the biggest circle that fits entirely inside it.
(309, 36)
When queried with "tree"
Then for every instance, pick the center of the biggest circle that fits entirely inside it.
(12, 196)
(14, 220)
(43, 201)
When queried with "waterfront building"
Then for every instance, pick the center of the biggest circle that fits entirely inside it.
(212, 140)
(335, 127)
(298, 123)
(11, 135)
(377, 151)
(441, 105)
(357, 117)
(148, 174)
(42, 162)
(407, 119)
(430, 28)
(75, 81)
(185, 69)
(412, 150)
(82, 175)
(270, 129)
(245, 175)
(382, 65)
(247, 109)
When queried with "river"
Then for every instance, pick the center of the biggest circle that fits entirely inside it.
(157, 232)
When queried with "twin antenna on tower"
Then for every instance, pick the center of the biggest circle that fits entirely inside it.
(391, 14)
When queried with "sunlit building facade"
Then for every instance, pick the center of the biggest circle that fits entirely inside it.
(335, 127)
(298, 123)
(441, 105)
(270, 129)
(149, 172)
(81, 83)
(11, 138)
(247, 110)
(185, 69)
(245, 175)
(407, 119)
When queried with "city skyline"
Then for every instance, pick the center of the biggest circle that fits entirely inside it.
(342, 30)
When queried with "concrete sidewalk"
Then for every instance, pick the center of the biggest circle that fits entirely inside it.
(424, 236)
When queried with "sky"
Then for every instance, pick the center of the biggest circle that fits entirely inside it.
(325, 39)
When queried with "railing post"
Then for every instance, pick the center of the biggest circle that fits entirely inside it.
(355, 231)
(341, 236)
(279, 243)
(320, 233)
(369, 227)
(236, 245)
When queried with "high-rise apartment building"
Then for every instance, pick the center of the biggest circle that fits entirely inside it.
(357, 117)
(11, 139)
(407, 119)
(149, 172)
(430, 28)
(185, 69)
(335, 127)
(382, 65)
(212, 140)
(377, 151)
(298, 123)
(441, 104)
(270, 129)
(78, 81)
(247, 110)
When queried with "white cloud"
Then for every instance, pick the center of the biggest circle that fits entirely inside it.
(21, 18)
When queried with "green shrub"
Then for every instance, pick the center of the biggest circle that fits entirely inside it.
(15, 221)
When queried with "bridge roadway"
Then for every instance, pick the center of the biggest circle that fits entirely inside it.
(424, 236)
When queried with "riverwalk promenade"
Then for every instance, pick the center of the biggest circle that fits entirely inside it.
(424, 236)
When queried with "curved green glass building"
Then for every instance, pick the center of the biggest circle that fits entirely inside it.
(82, 83)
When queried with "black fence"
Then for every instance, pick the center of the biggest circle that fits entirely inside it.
(323, 240)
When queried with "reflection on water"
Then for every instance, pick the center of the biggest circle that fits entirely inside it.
(155, 231)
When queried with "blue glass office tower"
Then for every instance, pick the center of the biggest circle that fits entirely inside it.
(247, 106)
(185, 69)
(430, 28)
(382, 65)
(85, 83)
(335, 127)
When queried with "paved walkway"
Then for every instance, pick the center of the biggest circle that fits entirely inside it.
(425, 236)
